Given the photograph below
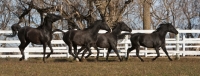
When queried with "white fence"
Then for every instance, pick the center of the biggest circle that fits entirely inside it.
(179, 46)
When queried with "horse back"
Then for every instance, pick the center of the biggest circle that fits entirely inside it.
(146, 40)
(78, 37)
(106, 40)
(32, 35)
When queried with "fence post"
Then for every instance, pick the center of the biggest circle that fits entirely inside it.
(126, 45)
(104, 53)
(145, 53)
(68, 55)
(26, 53)
(177, 47)
(183, 45)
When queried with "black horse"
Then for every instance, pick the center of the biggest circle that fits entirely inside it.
(40, 35)
(154, 40)
(109, 40)
(85, 37)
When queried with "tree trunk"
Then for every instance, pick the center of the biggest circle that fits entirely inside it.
(146, 15)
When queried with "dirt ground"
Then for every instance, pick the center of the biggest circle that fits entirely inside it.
(186, 66)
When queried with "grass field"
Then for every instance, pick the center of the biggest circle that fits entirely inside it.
(189, 66)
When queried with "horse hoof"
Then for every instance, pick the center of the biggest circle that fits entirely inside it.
(153, 59)
(126, 59)
(20, 59)
(44, 61)
(121, 59)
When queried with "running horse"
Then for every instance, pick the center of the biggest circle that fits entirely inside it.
(109, 40)
(86, 37)
(154, 40)
(40, 35)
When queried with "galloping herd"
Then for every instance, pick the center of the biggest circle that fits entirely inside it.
(89, 37)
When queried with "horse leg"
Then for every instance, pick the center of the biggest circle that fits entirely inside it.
(87, 49)
(109, 50)
(83, 54)
(22, 46)
(128, 51)
(165, 50)
(44, 52)
(158, 54)
(97, 58)
(49, 44)
(75, 51)
(137, 53)
(116, 51)
(79, 50)
(70, 50)
(90, 52)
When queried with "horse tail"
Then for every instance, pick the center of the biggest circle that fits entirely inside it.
(15, 28)
(55, 30)
(122, 36)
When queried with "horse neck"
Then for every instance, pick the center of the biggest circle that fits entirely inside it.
(116, 30)
(94, 29)
(161, 33)
(47, 26)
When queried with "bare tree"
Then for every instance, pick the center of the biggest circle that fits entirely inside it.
(189, 10)
(81, 13)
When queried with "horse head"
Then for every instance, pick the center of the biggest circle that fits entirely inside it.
(49, 19)
(124, 26)
(103, 25)
(171, 28)
(52, 17)
(168, 27)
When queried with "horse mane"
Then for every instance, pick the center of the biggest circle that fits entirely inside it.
(89, 27)
(160, 27)
(117, 24)
(45, 22)
(93, 24)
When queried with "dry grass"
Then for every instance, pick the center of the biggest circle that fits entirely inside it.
(133, 67)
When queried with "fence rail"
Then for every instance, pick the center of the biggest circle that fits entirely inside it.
(179, 46)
